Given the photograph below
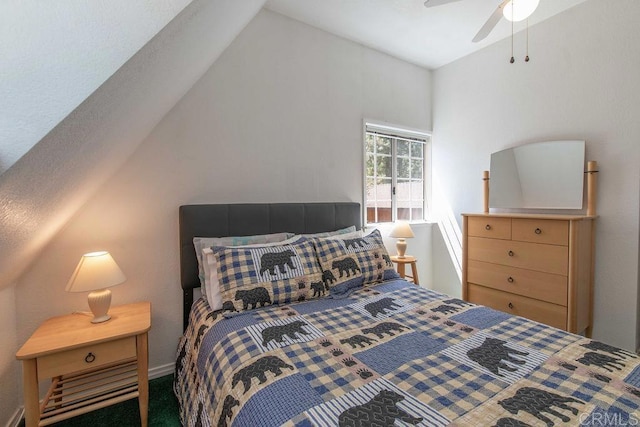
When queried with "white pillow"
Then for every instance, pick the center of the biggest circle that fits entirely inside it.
(211, 287)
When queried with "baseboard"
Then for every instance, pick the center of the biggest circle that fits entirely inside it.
(161, 371)
(14, 421)
(157, 372)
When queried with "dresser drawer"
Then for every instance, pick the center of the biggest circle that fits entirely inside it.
(88, 357)
(517, 305)
(532, 256)
(548, 231)
(529, 283)
(493, 228)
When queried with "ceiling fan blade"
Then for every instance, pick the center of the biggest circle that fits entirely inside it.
(491, 23)
(433, 3)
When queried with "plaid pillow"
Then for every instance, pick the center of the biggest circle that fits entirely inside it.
(256, 276)
(348, 263)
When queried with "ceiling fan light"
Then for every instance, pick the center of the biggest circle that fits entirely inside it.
(519, 10)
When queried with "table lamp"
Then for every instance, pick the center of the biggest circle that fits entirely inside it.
(96, 272)
(401, 231)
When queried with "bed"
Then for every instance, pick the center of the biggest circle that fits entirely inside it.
(380, 352)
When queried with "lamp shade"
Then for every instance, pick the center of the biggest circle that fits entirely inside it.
(96, 270)
(402, 230)
(518, 10)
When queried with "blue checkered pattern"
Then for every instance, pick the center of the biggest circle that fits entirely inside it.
(435, 359)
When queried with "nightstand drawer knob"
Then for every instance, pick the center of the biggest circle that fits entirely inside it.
(510, 253)
(89, 358)
(538, 231)
(487, 227)
(510, 279)
(510, 305)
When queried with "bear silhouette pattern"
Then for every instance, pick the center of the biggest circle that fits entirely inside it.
(445, 309)
(384, 328)
(279, 332)
(271, 261)
(358, 341)
(318, 288)
(602, 360)
(538, 402)
(600, 346)
(328, 278)
(228, 306)
(381, 410)
(346, 266)
(458, 302)
(227, 410)
(258, 369)
(493, 355)
(510, 422)
(383, 305)
(387, 260)
(253, 297)
(357, 243)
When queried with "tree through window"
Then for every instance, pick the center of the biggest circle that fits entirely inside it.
(395, 162)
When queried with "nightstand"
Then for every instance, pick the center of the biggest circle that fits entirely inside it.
(90, 365)
(402, 262)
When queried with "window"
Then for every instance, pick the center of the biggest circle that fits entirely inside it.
(395, 167)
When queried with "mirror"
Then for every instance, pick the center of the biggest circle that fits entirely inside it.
(543, 175)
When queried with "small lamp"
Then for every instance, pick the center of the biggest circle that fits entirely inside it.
(401, 231)
(96, 272)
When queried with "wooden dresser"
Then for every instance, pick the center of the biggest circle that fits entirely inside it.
(534, 266)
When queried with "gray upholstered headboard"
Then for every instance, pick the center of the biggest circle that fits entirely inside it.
(249, 219)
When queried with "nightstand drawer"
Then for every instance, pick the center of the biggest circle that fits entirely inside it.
(493, 228)
(547, 231)
(540, 311)
(88, 357)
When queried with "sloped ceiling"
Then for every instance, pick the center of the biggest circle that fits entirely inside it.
(55, 54)
(47, 185)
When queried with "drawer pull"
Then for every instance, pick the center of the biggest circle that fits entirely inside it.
(510, 305)
(510, 279)
(487, 227)
(538, 231)
(90, 357)
(511, 253)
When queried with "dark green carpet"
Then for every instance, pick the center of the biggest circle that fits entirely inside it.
(163, 410)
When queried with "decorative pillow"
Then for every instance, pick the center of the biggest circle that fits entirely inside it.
(199, 243)
(211, 287)
(253, 277)
(350, 262)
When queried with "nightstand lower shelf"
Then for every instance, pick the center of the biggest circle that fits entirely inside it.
(85, 391)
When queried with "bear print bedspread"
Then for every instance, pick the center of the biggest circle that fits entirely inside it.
(397, 354)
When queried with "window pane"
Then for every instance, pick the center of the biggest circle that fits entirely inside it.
(404, 214)
(416, 168)
(403, 191)
(417, 214)
(416, 149)
(417, 193)
(369, 143)
(383, 190)
(370, 163)
(384, 166)
(383, 145)
(403, 166)
(403, 148)
(371, 192)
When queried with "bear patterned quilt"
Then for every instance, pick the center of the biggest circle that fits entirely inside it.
(397, 354)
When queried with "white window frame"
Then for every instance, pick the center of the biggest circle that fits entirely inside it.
(395, 131)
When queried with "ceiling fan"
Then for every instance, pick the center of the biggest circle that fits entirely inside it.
(513, 10)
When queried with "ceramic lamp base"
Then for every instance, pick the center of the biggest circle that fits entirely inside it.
(401, 247)
(99, 303)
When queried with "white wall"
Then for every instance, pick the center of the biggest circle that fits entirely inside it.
(581, 83)
(277, 118)
(54, 54)
(9, 367)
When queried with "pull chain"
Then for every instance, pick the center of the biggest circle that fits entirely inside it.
(512, 58)
(526, 58)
